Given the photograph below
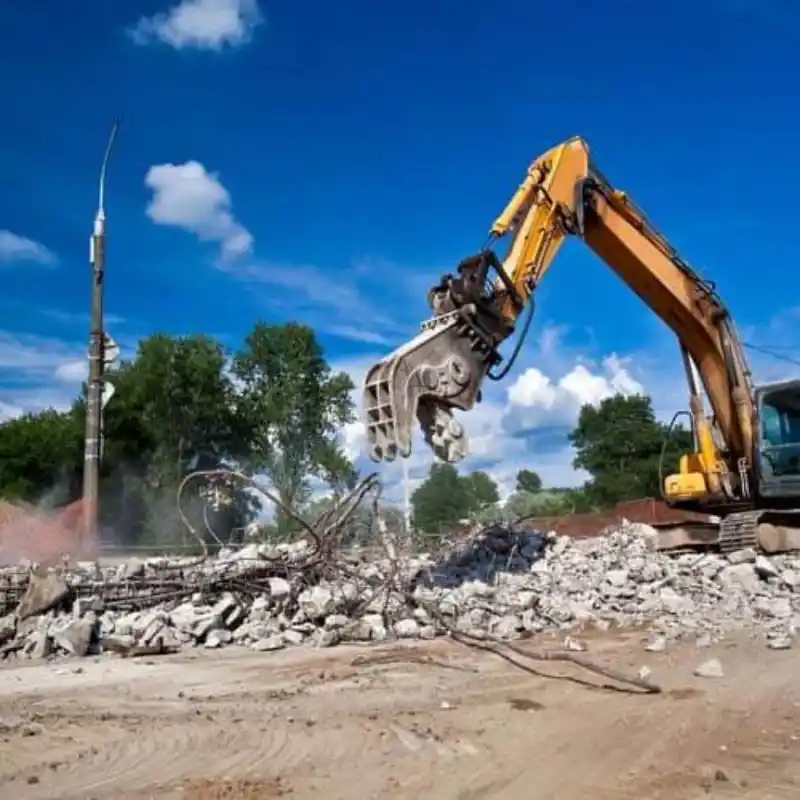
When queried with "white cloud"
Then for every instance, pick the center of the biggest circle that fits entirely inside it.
(9, 411)
(35, 399)
(73, 371)
(187, 196)
(201, 24)
(15, 248)
(352, 438)
(356, 334)
(535, 400)
(533, 388)
(33, 372)
(30, 354)
(337, 301)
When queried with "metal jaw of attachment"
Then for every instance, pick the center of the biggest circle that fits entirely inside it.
(440, 370)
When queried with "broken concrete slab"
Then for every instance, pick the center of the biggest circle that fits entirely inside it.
(8, 628)
(45, 591)
(76, 638)
(710, 669)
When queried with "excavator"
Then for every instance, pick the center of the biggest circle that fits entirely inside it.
(745, 464)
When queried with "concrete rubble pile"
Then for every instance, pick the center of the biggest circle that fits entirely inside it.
(498, 583)
(544, 583)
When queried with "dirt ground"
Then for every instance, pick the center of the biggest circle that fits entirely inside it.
(314, 724)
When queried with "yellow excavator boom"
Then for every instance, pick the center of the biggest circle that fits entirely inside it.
(478, 307)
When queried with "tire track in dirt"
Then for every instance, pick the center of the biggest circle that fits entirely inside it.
(233, 727)
(622, 750)
(251, 735)
(164, 752)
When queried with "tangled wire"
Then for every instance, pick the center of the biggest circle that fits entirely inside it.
(326, 530)
(396, 584)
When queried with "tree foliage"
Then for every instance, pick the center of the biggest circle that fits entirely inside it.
(619, 443)
(528, 481)
(481, 489)
(292, 406)
(444, 498)
(41, 454)
(180, 407)
(546, 503)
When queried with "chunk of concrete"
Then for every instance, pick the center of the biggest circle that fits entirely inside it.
(218, 638)
(317, 602)
(710, 669)
(77, 637)
(327, 638)
(132, 569)
(657, 645)
(269, 643)
(406, 628)
(279, 588)
(293, 638)
(45, 591)
(780, 643)
(8, 628)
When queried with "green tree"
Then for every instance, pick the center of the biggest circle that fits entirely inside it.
(336, 469)
(442, 499)
(528, 481)
(445, 498)
(619, 444)
(178, 394)
(481, 490)
(546, 503)
(528, 504)
(184, 399)
(176, 410)
(293, 405)
(173, 412)
(41, 455)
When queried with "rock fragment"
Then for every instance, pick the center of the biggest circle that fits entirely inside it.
(269, 643)
(710, 669)
(76, 638)
(45, 590)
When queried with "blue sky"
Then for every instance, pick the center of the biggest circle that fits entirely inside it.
(326, 162)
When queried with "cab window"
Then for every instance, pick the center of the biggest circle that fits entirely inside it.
(780, 419)
(780, 433)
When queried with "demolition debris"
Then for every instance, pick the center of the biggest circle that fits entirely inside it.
(498, 585)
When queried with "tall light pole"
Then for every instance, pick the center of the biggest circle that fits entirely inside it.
(94, 410)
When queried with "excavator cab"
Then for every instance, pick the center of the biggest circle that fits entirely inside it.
(777, 462)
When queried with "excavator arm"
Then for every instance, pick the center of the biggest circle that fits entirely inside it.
(479, 307)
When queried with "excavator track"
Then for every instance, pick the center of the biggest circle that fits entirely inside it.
(742, 529)
(739, 531)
